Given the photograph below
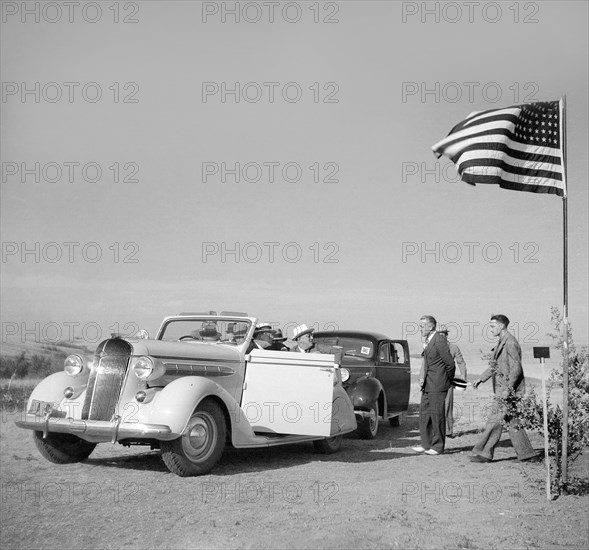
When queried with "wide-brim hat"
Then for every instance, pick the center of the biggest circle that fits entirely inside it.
(301, 330)
(459, 383)
(278, 337)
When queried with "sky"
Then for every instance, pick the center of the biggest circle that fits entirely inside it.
(163, 157)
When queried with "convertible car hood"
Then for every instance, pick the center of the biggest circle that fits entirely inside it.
(186, 350)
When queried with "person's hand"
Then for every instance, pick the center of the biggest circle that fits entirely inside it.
(476, 383)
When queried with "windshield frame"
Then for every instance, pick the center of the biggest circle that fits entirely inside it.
(209, 318)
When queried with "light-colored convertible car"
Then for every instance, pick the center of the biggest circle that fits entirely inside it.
(193, 389)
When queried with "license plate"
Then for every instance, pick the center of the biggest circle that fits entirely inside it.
(40, 408)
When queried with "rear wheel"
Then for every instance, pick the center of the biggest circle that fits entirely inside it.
(63, 448)
(398, 420)
(201, 445)
(368, 428)
(329, 445)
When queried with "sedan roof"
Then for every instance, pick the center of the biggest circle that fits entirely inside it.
(368, 335)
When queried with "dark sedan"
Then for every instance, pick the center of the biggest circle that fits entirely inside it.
(376, 373)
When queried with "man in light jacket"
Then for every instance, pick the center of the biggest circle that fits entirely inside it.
(508, 378)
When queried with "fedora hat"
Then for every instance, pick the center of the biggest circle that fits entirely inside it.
(209, 330)
(278, 336)
(459, 383)
(443, 329)
(301, 330)
(263, 327)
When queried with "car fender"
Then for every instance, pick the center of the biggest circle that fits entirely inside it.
(50, 389)
(364, 393)
(176, 402)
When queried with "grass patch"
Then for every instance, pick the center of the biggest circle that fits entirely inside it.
(16, 392)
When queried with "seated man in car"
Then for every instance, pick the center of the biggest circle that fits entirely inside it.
(262, 339)
(303, 336)
(278, 341)
(209, 332)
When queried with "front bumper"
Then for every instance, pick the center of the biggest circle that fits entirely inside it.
(95, 430)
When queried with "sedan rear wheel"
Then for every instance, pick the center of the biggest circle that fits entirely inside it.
(201, 445)
(368, 427)
(398, 420)
(329, 445)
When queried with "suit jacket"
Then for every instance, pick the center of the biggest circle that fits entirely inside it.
(438, 365)
(509, 372)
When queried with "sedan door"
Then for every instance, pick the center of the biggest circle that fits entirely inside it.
(394, 372)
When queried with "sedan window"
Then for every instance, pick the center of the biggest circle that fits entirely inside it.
(384, 353)
(356, 348)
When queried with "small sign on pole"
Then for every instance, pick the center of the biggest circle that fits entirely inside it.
(544, 353)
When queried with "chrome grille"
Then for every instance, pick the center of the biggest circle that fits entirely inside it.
(106, 378)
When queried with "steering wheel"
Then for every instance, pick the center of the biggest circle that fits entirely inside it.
(187, 337)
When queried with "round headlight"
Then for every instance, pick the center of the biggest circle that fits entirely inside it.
(345, 374)
(143, 367)
(73, 365)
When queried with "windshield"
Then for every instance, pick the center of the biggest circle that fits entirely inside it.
(206, 330)
(355, 349)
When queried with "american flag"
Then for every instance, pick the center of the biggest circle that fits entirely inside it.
(518, 148)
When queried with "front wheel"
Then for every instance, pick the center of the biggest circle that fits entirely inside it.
(368, 428)
(63, 448)
(201, 445)
(329, 445)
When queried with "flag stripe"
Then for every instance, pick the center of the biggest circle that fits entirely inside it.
(516, 148)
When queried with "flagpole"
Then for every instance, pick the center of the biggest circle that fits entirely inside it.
(565, 344)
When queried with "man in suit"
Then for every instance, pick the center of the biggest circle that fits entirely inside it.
(461, 364)
(505, 368)
(278, 341)
(262, 339)
(438, 373)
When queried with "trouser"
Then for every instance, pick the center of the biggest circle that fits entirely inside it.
(432, 420)
(449, 406)
(492, 434)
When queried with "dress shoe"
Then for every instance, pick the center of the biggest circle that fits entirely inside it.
(479, 458)
(533, 458)
(418, 449)
(432, 452)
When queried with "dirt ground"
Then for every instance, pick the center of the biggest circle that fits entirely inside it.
(372, 494)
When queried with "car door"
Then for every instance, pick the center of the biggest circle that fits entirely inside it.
(402, 369)
(289, 393)
(394, 373)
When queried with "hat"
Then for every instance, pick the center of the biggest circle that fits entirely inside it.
(278, 336)
(459, 383)
(443, 329)
(209, 330)
(263, 327)
(301, 330)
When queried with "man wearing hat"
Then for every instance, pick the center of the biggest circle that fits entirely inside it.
(461, 364)
(277, 341)
(303, 336)
(263, 336)
(209, 332)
